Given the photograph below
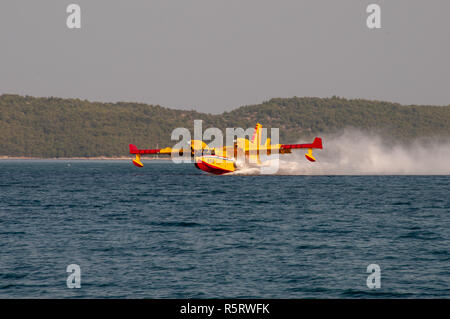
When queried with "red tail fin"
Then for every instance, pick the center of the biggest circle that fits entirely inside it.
(257, 133)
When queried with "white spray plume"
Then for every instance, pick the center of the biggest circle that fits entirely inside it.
(354, 152)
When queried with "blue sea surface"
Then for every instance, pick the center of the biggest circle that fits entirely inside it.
(172, 231)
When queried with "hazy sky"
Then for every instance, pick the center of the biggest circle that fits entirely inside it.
(216, 55)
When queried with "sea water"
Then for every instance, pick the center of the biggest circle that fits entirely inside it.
(172, 231)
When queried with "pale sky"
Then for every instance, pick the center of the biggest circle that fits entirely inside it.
(216, 55)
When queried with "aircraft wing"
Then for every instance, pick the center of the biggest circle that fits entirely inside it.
(317, 143)
(138, 153)
(196, 146)
(135, 150)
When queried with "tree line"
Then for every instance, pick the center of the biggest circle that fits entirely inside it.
(56, 127)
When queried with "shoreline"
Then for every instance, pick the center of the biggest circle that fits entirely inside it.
(96, 158)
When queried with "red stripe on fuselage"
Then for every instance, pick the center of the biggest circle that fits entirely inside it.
(211, 168)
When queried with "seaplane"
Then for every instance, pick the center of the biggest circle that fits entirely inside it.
(225, 159)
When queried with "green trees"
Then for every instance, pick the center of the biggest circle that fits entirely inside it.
(54, 127)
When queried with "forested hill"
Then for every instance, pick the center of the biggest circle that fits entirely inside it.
(55, 127)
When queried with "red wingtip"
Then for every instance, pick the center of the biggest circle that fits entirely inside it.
(133, 149)
(317, 143)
